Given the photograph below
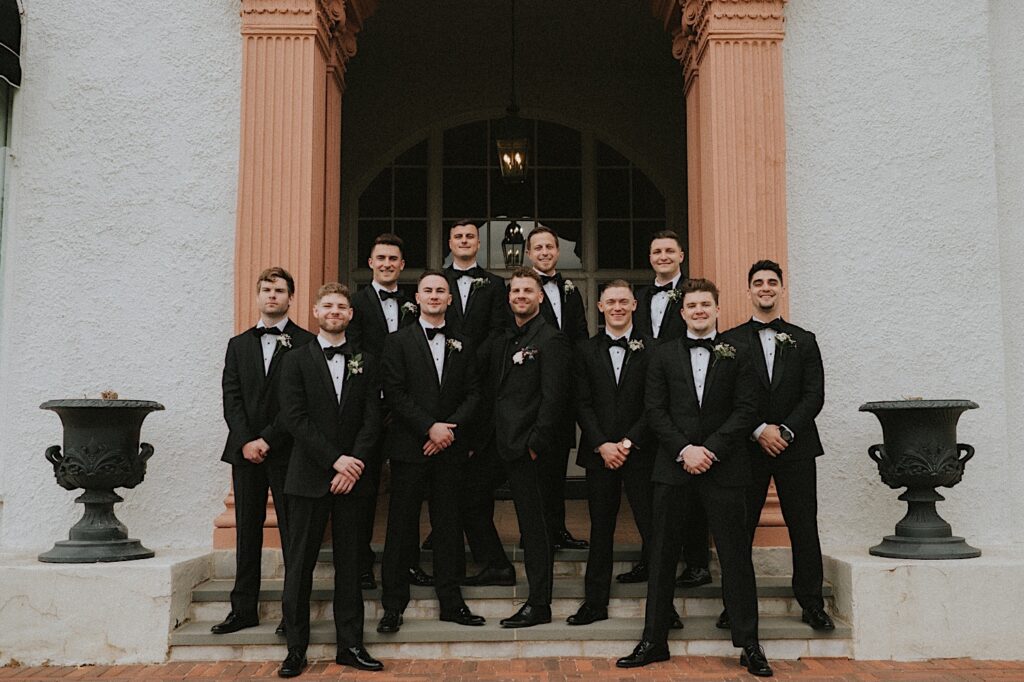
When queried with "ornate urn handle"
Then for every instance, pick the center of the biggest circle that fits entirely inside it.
(968, 451)
(877, 452)
(146, 450)
(54, 456)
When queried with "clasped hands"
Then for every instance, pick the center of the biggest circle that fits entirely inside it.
(347, 471)
(440, 436)
(255, 451)
(771, 440)
(613, 454)
(697, 459)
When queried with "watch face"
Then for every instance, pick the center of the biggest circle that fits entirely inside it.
(627, 443)
(787, 435)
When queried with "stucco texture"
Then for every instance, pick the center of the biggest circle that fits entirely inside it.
(118, 252)
(895, 230)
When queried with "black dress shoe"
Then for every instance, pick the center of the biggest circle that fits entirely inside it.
(281, 631)
(753, 657)
(565, 540)
(637, 574)
(645, 653)
(367, 581)
(428, 543)
(693, 577)
(492, 576)
(818, 619)
(677, 622)
(587, 614)
(233, 623)
(294, 663)
(358, 657)
(390, 622)
(463, 617)
(723, 622)
(528, 616)
(417, 576)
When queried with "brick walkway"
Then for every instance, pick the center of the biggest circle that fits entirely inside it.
(546, 670)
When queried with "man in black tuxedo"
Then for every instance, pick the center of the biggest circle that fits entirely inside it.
(562, 307)
(616, 445)
(431, 386)
(785, 443)
(479, 298)
(702, 402)
(378, 310)
(258, 447)
(330, 402)
(658, 316)
(530, 368)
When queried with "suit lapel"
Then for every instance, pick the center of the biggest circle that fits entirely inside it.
(453, 285)
(781, 356)
(688, 374)
(375, 303)
(319, 360)
(256, 358)
(604, 358)
(758, 351)
(427, 357)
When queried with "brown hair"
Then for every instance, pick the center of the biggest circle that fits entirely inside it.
(389, 239)
(700, 284)
(333, 288)
(764, 265)
(464, 222)
(541, 229)
(667, 234)
(617, 283)
(276, 272)
(528, 273)
(431, 273)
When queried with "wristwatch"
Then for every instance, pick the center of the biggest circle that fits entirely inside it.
(785, 432)
(627, 443)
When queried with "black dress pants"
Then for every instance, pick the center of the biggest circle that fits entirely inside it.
(551, 469)
(524, 479)
(484, 473)
(371, 475)
(251, 482)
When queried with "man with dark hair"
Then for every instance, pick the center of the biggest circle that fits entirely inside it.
(378, 310)
(479, 304)
(702, 402)
(785, 444)
(563, 309)
(258, 447)
(330, 403)
(431, 386)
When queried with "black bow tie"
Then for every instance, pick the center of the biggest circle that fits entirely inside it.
(385, 295)
(775, 324)
(433, 331)
(547, 279)
(474, 273)
(331, 351)
(622, 342)
(664, 288)
(706, 344)
(260, 331)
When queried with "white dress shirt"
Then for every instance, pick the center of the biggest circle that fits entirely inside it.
(390, 307)
(336, 365)
(699, 363)
(618, 355)
(269, 343)
(436, 345)
(465, 284)
(768, 346)
(659, 304)
(554, 296)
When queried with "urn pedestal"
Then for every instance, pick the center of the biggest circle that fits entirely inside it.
(101, 452)
(920, 452)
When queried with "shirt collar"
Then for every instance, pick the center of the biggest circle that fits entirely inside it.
(456, 268)
(426, 325)
(324, 343)
(711, 336)
(379, 287)
(627, 335)
(280, 325)
(675, 281)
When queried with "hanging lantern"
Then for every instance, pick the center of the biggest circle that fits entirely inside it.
(513, 245)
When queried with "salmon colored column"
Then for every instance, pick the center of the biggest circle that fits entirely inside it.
(731, 52)
(289, 182)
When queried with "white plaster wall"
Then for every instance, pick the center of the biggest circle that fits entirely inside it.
(118, 252)
(894, 224)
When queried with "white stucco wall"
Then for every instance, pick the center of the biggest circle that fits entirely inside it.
(118, 252)
(895, 228)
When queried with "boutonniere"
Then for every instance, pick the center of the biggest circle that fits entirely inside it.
(453, 345)
(524, 354)
(478, 282)
(784, 340)
(355, 364)
(723, 351)
(284, 340)
(636, 345)
(568, 287)
(674, 295)
(409, 308)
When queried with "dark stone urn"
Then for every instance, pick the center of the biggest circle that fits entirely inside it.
(101, 452)
(921, 453)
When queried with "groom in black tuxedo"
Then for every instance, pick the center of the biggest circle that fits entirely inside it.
(330, 402)
(258, 447)
(702, 402)
(785, 443)
(431, 386)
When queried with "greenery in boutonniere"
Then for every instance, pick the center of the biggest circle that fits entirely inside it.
(355, 364)
(784, 340)
(479, 282)
(723, 351)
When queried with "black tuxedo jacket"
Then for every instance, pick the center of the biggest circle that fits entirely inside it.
(722, 424)
(796, 392)
(368, 328)
(322, 428)
(672, 325)
(574, 316)
(529, 399)
(486, 308)
(251, 403)
(608, 412)
(417, 400)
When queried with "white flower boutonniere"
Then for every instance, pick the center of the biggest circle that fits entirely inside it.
(674, 295)
(568, 287)
(524, 354)
(284, 340)
(478, 282)
(355, 364)
(409, 309)
(723, 351)
(784, 340)
(453, 345)
(636, 345)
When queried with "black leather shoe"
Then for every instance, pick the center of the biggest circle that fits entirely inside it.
(723, 622)
(233, 623)
(463, 617)
(428, 543)
(565, 540)
(587, 614)
(367, 581)
(358, 657)
(818, 619)
(294, 663)
(753, 657)
(645, 653)
(390, 622)
(637, 574)
(281, 631)
(677, 622)
(417, 576)
(693, 577)
(492, 576)
(528, 616)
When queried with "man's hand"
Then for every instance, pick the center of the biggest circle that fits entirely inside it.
(440, 434)
(697, 459)
(349, 466)
(771, 440)
(533, 455)
(342, 484)
(256, 451)
(613, 454)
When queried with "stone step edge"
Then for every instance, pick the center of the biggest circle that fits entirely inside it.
(513, 552)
